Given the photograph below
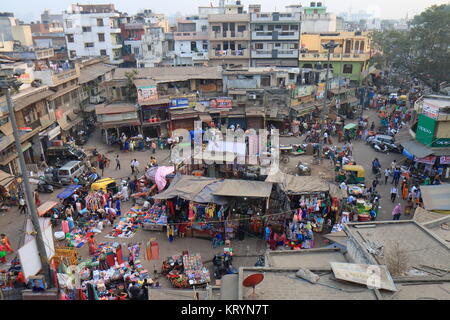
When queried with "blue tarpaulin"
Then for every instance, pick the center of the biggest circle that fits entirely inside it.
(409, 155)
(68, 191)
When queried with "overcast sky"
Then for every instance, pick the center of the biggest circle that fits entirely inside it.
(29, 10)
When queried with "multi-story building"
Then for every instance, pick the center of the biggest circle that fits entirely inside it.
(315, 18)
(13, 34)
(93, 30)
(349, 60)
(229, 37)
(148, 17)
(191, 42)
(275, 38)
(155, 47)
(132, 43)
(48, 18)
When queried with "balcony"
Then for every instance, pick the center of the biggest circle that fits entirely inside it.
(44, 53)
(334, 56)
(229, 35)
(275, 35)
(57, 75)
(269, 17)
(229, 54)
(48, 119)
(190, 36)
(262, 54)
(293, 54)
(199, 56)
(228, 18)
(275, 54)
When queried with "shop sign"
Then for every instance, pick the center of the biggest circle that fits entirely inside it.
(425, 130)
(441, 142)
(427, 160)
(147, 94)
(301, 91)
(320, 94)
(444, 160)
(430, 110)
(221, 103)
(179, 103)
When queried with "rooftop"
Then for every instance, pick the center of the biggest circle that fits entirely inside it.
(307, 258)
(115, 108)
(92, 72)
(165, 74)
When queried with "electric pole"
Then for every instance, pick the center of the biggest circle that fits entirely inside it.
(6, 85)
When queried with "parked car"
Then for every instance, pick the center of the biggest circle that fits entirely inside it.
(379, 138)
(71, 170)
(57, 155)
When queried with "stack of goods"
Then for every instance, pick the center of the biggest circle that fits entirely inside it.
(194, 270)
(126, 228)
(356, 190)
(172, 268)
(155, 215)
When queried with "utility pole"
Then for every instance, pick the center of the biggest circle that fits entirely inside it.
(329, 46)
(6, 85)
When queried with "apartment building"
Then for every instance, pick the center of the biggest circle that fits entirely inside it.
(132, 33)
(155, 47)
(148, 17)
(229, 37)
(191, 42)
(315, 18)
(275, 38)
(12, 34)
(93, 30)
(349, 60)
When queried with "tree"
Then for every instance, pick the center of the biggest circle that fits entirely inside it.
(422, 51)
(130, 87)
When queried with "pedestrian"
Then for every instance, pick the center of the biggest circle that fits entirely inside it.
(350, 148)
(125, 193)
(396, 176)
(132, 166)
(117, 162)
(397, 211)
(393, 194)
(393, 165)
(131, 185)
(101, 165)
(136, 165)
(325, 138)
(387, 173)
(22, 206)
(375, 183)
(154, 146)
(131, 146)
(92, 243)
(6, 243)
(118, 207)
(170, 232)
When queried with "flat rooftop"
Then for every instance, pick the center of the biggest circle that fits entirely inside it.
(305, 258)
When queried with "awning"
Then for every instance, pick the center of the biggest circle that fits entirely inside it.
(26, 146)
(244, 188)
(45, 207)
(298, 184)
(205, 117)
(436, 198)
(64, 124)
(68, 191)
(6, 179)
(7, 129)
(32, 98)
(115, 124)
(416, 148)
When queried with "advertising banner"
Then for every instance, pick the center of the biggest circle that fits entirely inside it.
(221, 103)
(441, 142)
(320, 94)
(179, 103)
(444, 160)
(427, 160)
(430, 110)
(425, 130)
(147, 94)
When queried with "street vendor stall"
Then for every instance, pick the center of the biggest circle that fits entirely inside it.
(68, 191)
(186, 271)
(46, 208)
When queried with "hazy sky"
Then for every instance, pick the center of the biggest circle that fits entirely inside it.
(30, 10)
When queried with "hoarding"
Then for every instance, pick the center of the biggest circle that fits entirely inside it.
(147, 94)
(430, 110)
(221, 103)
(179, 103)
(320, 94)
(444, 160)
(425, 130)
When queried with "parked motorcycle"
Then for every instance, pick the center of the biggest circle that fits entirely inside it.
(44, 187)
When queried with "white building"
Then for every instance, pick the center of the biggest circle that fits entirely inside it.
(155, 48)
(191, 42)
(316, 19)
(93, 30)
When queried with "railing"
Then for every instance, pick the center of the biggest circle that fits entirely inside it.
(229, 53)
(335, 56)
(261, 54)
(229, 34)
(288, 54)
(190, 35)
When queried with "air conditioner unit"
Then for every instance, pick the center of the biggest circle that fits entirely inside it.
(252, 97)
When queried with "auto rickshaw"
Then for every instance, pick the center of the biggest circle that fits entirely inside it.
(350, 130)
(354, 174)
(106, 185)
(402, 100)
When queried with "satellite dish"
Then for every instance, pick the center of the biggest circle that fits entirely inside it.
(252, 281)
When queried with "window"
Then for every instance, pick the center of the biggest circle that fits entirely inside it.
(136, 51)
(271, 27)
(258, 46)
(193, 46)
(103, 52)
(100, 23)
(294, 27)
(285, 27)
(259, 27)
(241, 28)
(73, 53)
(68, 23)
(149, 47)
(348, 68)
(291, 76)
(277, 44)
(204, 28)
(101, 37)
(88, 44)
(307, 65)
(87, 29)
(205, 44)
(123, 91)
(70, 38)
(215, 28)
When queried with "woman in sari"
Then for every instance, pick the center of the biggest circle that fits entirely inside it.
(92, 245)
(405, 190)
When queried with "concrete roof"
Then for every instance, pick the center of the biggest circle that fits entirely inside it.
(440, 227)
(419, 291)
(92, 72)
(281, 284)
(421, 246)
(305, 258)
(115, 108)
(166, 74)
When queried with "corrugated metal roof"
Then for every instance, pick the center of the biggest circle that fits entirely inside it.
(171, 73)
(32, 98)
(92, 72)
(115, 108)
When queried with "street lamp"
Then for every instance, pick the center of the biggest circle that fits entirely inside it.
(8, 82)
(329, 46)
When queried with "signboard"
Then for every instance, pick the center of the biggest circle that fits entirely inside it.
(147, 94)
(425, 130)
(301, 91)
(444, 160)
(441, 142)
(179, 103)
(427, 160)
(320, 94)
(430, 110)
(221, 103)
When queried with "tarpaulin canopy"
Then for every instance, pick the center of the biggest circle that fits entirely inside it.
(302, 184)
(160, 176)
(244, 188)
(416, 148)
(45, 207)
(436, 198)
(6, 179)
(68, 191)
(198, 189)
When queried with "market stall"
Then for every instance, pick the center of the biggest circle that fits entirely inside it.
(186, 271)
(68, 191)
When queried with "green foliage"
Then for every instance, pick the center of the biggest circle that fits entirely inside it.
(423, 50)
(130, 87)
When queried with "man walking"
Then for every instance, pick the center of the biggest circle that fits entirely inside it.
(154, 146)
(117, 162)
(132, 166)
(136, 165)
(397, 211)
(393, 193)
(374, 184)
(387, 173)
(22, 206)
(396, 176)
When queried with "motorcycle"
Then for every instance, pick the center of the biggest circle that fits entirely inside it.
(44, 187)
(222, 265)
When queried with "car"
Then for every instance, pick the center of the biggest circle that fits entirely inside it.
(379, 138)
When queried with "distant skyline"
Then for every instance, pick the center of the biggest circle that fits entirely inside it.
(30, 10)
